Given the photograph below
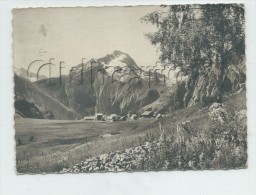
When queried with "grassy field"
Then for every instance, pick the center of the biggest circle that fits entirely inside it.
(59, 144)
(64, 138)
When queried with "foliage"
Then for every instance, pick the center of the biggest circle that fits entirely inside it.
(194, 38)
(224, 146)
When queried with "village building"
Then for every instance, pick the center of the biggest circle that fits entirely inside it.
(113, 117)
(158, 116)
(133, 117)
(147, 114)
(99, 117)
(89, 118)
(123, 118)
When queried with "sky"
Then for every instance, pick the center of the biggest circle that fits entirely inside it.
(70, 34)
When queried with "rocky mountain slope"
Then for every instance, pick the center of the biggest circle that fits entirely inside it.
(32, 76)
(112, 84)
(204, 89)
(116, 84)
(29, 98)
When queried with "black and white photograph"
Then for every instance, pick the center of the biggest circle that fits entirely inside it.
(130, 88)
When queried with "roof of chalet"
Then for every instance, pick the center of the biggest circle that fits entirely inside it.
(146, 113)
(98, 114)
(89, 117)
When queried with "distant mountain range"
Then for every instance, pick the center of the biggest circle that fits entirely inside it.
(111, 84)
(29, 75)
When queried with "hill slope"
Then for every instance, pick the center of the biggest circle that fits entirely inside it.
(40, 99)
(115, 84)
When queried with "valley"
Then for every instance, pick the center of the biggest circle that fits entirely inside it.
(59, 144)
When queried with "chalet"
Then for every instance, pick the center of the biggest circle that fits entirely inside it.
(123, 118)
(89, 118)
(113, 117)
(147, 114)
(133, 117)
(158, 116)
(99, 117)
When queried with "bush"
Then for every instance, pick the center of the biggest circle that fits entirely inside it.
(222, 146)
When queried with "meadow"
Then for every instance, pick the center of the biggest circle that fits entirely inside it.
(55, 141)
(48, 146)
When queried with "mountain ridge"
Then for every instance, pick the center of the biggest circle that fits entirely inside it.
(116, 84)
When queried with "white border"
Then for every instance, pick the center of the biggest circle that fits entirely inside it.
(190, 182)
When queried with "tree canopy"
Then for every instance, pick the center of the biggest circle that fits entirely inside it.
(197, 36)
